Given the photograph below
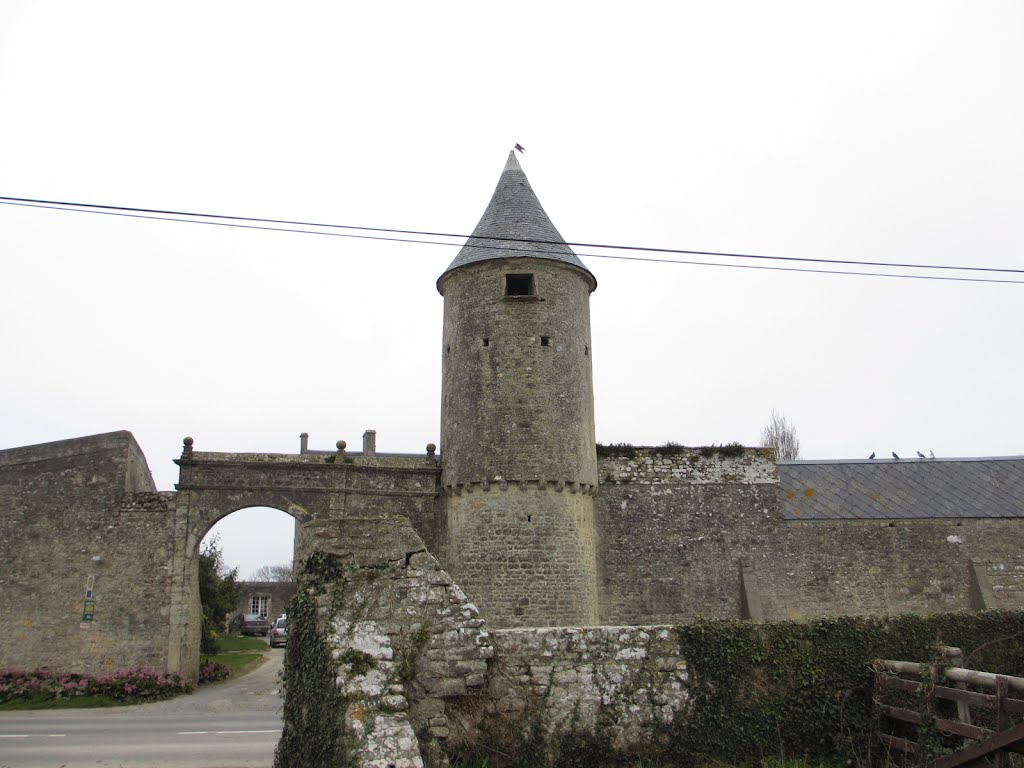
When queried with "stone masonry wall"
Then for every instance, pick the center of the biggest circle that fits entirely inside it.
(527, 556)
(81, 515)
(517, 382)
(416, 659)
(1006, 576)
(679, 535)
(326, 486)
(408, 637)
(620, 681)
(873, 567)
(672, 529)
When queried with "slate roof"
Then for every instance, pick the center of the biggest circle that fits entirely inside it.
(513, 215)
(911, 488)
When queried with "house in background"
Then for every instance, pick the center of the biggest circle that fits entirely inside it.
(267, 598)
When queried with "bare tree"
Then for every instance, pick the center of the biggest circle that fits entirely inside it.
(780, 434)
(281, 572)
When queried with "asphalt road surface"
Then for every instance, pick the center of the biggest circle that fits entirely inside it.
(234, 724)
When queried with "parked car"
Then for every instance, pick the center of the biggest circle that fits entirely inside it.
(254, 624)
(279, 632)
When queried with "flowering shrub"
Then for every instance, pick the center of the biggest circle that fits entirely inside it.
(213, 671)
(128, 685)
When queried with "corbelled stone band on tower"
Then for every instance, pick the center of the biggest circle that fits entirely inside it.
(518, 463)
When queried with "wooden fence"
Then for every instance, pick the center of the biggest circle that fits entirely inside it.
(937, 684)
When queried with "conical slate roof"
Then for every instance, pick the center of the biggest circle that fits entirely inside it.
(515, 215)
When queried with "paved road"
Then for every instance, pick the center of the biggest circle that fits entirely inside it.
(234, 724)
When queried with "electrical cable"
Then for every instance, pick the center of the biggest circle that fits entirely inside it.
(230, 221)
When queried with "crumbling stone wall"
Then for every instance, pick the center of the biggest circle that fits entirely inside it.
(87, 542)
(407, 640)
(624, 682)
(415, 658)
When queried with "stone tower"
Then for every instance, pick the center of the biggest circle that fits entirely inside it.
(518, 457)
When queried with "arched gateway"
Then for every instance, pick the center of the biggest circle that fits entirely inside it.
(323, 491)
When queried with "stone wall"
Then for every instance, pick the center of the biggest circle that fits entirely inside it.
(1006, 576)
(874, 567)
(672, 530)
(623, 682)
(527, 556)
(326, 486)
(83, 528)
(678, 533)
(686, 535)
(416, 659)
(408, 638)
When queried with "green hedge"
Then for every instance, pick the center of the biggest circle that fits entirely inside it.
(804, 690)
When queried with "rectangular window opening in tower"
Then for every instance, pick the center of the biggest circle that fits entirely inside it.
(519, 285)
(545, 341)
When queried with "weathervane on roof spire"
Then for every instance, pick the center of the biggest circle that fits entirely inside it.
(519, 148)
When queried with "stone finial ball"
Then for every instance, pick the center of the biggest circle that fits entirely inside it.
(341, 445)
(431, 447)
(187, 442)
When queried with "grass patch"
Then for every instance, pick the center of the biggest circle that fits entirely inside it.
(232, 643)
(238, 663)
(239, 654)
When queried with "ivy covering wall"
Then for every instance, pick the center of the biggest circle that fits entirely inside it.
(752, 692)
(771, 693)
(314, 706)
(791, 690)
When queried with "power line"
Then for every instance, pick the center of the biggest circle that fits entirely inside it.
(423, 233)
(232, 221)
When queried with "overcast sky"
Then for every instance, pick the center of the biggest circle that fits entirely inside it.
(869, 131)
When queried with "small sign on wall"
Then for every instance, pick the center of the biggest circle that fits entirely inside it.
(88, 604)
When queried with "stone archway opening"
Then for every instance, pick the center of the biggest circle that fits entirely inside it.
(257, 544)
(256, 541)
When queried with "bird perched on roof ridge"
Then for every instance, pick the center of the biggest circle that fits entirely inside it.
(872, 455)
(519, 148)
(931, 454)
(921, 455)
(895, 456)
